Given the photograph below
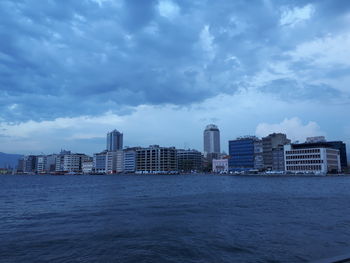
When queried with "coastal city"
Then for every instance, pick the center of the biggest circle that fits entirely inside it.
(273, 154)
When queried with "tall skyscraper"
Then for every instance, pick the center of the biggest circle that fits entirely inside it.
(114, 141)
(211, 137)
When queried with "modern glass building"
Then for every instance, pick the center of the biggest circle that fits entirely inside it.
(114, 141)
(242, 153)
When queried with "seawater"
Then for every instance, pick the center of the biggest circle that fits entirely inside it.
(187, 218)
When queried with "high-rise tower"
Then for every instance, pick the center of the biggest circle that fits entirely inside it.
(211, 139)
(114, 141)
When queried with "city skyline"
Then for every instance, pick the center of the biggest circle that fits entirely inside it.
(161, 70)
(225, 149)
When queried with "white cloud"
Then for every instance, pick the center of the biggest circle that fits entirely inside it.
(325, 52)
(293, 127)
(207, 42)
(293, 16)
(168, 9)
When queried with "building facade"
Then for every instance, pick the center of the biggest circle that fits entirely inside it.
(72, 163)
(99, 160)
(87, 167)
(245, 154)
(317, 160)
(155, 159)
(220, 165)
(130, 160)
(211, 141)
(258, 155)
(50, 165)
(41, 164)
(29, 164)
(189, 160)
(114, 141)
(339, 145)
(273, 154)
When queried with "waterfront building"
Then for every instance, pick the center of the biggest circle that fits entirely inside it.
(111, 162)
(245, 153)
(20, 165)
(211, 142)
(339, 145)
(304, 158)
(59, 166)
(130, 160)
(120, 161)
(258, 155)
(29, 164)
(114, 141)
(155, 159)
(41, 164)
(99, 161)
(72, 163)
(220, 165)
(189, 160)
(50, 165)
(114, 162)
(87, 167)
(273, 154)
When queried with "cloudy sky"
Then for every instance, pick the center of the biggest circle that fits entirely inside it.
(161, 70)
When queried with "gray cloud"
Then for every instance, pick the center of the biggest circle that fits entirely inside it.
(71, 58)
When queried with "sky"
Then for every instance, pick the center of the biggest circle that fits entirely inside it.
(161, 70)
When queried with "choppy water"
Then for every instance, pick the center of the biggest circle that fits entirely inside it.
(173, 218)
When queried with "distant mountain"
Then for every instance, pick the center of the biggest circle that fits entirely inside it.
(7, 160)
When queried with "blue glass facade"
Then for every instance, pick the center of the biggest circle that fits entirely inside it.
(241, 154)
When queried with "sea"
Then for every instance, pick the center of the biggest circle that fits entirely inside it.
(173, 218)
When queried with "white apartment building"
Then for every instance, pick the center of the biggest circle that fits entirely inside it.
(73, 162)
(41, 164)
(321, 160)
(114, 162)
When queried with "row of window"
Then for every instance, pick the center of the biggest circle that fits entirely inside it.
(303, 151)
(304, 168)
(311, 156)
(305, 162)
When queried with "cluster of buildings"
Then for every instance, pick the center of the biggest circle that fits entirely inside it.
(274, 153)
(116, 159)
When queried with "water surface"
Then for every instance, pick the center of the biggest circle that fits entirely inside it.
(173, 218)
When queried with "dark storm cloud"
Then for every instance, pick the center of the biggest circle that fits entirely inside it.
(68, 58)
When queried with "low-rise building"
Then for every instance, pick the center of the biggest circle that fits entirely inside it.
(220, 165)
(317, 160)
(87, 167)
